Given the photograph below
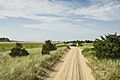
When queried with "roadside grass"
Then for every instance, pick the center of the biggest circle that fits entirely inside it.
(32, 67)
(103, 69)
(6, 46)
(87, 45)
(63, 45)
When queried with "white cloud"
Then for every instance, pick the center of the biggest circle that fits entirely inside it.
(53, 27)
(2, 17)
(106, 10)
(62, 27)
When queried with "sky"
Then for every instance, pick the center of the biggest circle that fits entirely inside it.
(39, 20)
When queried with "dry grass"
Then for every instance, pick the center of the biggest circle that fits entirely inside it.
(6, 46)
(104, 69)
(29, 67)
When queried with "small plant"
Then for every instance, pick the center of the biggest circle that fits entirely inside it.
(47, 47)
(31, 46)
(18, 50)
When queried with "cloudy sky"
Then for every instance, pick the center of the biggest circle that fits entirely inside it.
(39, 20)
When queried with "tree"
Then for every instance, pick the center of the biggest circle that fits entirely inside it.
(108, 46)
(4, 39)
(47, 47)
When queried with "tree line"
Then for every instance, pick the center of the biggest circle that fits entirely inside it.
(4, 39)
(79, 41)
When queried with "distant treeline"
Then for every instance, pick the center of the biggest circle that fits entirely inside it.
(4, 39)
(78, 41)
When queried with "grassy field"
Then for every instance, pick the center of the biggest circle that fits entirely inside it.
(87, 45)
(105, 69)
(31, 67)
(6, 46)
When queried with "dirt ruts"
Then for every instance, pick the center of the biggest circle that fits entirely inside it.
(72, 67)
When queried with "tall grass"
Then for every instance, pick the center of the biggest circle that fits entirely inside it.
(103, 69)
(6, 46)
(31, 67)
(86, 45)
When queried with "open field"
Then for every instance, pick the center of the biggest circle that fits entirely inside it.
(37, 66)
(104, 69)
(6, 46)
(31, 67)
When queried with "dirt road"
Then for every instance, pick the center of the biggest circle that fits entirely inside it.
(72, 67)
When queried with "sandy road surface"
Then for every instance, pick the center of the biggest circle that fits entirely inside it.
(72, 67)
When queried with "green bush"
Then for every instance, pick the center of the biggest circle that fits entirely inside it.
(108, 47)
(80, 43)
(18, 50)
(47, 47)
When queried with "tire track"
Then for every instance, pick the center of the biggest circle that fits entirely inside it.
(74, 67)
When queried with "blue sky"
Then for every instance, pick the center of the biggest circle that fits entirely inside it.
(39, 20)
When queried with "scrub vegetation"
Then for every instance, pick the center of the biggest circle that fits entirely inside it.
(34, 66)
(18, 50)
(47, 47)
(104, 57)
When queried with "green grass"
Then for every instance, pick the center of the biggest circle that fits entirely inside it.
(31, 67)
(105, 69)
(87, 45)
(6, 46)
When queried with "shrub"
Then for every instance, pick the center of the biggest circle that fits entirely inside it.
(108, 47)
(18, 50)
(47, 47)
(80, 43)
(3, 48)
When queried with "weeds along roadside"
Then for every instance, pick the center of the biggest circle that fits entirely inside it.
(32, 67)
(103, 69)
(49, 60)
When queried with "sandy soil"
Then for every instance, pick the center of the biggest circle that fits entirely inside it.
(72, 67)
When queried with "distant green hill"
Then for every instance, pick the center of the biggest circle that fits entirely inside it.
(4, 39)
